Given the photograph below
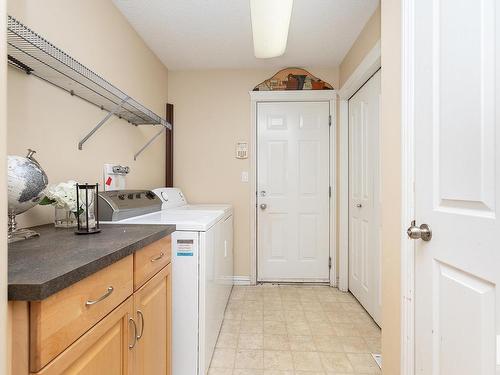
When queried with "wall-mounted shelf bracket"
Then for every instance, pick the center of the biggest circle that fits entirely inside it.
(28, 51)
(101, 123)
(164, 127)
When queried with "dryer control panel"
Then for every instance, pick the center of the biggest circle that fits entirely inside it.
(123, 204)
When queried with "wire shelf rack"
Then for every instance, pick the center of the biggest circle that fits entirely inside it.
(36, 56)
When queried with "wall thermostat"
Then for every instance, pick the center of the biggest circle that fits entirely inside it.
(241, 150)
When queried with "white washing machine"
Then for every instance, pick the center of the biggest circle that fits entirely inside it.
(202, 270)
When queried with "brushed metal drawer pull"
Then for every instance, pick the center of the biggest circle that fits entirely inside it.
(104, 296)
(162, 254)
(131, 346)
(139, 313)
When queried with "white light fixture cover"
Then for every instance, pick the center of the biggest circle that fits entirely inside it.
(270, 24)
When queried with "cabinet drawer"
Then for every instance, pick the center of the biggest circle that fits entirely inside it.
(58, 321)
(104, 349)
(150, 260)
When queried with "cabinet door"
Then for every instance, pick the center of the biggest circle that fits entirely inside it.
(103, 350)
(153, 314)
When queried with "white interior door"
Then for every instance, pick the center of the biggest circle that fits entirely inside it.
(364, 197)
(293, 191)
(457, 186)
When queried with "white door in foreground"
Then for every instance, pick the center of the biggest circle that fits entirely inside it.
(457, 190)
(293, 191)
(364, 197)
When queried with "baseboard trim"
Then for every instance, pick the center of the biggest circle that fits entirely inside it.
(241, 280)
(335, 283)
(245, 280)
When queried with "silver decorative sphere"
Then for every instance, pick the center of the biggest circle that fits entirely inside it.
(26, 183)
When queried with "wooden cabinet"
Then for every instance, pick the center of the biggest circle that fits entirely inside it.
(150, 259)
(104, 350)
(100, 326)
(153, 317)
(56, 322)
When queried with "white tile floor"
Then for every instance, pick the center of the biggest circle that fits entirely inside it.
(295, 330)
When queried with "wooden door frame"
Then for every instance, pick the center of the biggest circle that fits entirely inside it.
(369, 66)
(256, 97)
(407, 187)
(407, 264)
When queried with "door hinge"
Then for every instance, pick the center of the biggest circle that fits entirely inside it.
(330, 120)
(330, 191)
(330, 262)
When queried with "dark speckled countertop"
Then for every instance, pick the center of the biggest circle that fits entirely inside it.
(42, 266)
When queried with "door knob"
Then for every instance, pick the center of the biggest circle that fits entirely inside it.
(359, 205)
(422, 232)
(263, 193)
(263, 206)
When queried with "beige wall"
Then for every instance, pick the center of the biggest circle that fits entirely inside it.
(363, 44)
(391, 184)
(4, 347)
(52, 122)
(212, 112)
(385, 25)
(366, 40)
(48, 120)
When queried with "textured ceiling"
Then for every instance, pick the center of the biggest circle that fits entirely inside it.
(206, 34)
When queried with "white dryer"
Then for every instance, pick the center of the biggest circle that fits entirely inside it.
(174, 201)
(173, 198)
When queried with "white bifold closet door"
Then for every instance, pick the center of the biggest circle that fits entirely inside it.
(364, 201)
(293, 191)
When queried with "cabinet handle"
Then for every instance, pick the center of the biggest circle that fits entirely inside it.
(104, 296)
(131, 346)
(162, 254)
(139, 313)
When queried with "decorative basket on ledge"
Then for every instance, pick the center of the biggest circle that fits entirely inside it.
(293, 79)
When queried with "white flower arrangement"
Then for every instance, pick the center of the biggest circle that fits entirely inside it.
(62, 195)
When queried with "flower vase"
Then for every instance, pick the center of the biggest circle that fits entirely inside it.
(64, 218)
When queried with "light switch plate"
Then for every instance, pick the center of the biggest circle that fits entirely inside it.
(244, 176)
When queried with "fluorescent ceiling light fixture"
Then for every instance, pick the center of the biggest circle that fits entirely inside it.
(270, 24)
